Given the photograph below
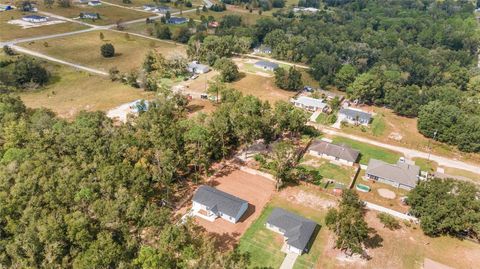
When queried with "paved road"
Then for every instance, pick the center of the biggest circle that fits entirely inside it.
(46, 57)
(31, 39)
(409, 153)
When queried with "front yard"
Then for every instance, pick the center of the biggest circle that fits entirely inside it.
(368, 151)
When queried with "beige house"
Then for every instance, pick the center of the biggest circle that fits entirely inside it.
(341, 154)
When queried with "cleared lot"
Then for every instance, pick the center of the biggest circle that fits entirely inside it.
(256, 190)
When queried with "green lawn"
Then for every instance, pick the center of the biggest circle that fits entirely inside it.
(426, 165)
(368, 151)
(340, 174)
(378, 125)
(263, 245)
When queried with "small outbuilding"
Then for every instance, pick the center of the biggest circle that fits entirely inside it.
(266, 65)
(210, 203)
(35, 18)
(296, 230)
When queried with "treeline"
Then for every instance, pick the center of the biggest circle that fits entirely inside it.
(88, 193)
(21, 73)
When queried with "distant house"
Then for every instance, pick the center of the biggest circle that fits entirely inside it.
(400, 175)
(35, 18)
(213, 24)
(161, 9)
(305, 9)
(210, 203)
(266, 65)
(310, 103)
(197, 68)
(297, 230)
(94, 3)
(263, 49)
(339, 153)
(330, 95)
(149, 7)
(89, 15)
(6, 7)
(177, 20)
(355, 116)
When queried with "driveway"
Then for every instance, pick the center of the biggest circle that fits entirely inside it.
(289, 261)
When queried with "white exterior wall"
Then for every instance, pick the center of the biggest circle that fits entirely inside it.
(331, 158)
(294, 249)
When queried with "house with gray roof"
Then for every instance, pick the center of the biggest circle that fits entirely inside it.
(310, 103)
(296, 230)
(197, 68)
(266, 65)
(210, 203)
(342, 153)
(355, 116)
(400, 175)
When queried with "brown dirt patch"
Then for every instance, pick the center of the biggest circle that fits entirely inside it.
(304, 198)
(386, 193)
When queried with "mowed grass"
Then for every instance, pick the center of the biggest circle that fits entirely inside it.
(84, 49)
(426, 165)
(108, 14)
(340, 174)
(10, 31)
(72, 91)
(368, 151)
(261, 87)
(247, 18)
(463, 173)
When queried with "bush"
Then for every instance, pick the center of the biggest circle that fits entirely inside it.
(114, 73)
(8, 50)
(388, 221)
(107, 50)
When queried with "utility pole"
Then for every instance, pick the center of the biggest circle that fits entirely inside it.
(429, 148)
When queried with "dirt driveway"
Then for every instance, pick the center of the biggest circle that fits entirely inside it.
(256, 190)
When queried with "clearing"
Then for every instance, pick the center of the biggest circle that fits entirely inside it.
(71, 91)
(12, 31)
(256, 190)
(368, 151)
(261, 87)
(84, 49)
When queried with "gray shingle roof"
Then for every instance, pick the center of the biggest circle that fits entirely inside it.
(266, 64)
(218, 200)
(352, 113)
(343, 151)
(312, 102)
(298, 230)
(402, 173)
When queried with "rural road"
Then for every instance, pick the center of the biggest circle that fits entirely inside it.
(409, 153)
(277, 61)
(46, 57)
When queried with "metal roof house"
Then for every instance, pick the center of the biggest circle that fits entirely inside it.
(197, 68)
(35, 18)
(309, 103)
(297, 230)
(94, 3)
(177, 20)
(338, 153)
(161, 9)
(400, 175)
(210, 203)
(263, 49)
(89, 15)
(355, 116)
(266, 65)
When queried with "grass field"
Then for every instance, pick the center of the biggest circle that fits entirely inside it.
(85, 49)
(140, 3)
(340, 174)
(261, 87)
(247, 18)
(462, 173)
(72, 91)
(426, 165)
(368, 151)
(108, 14)
(10, 31)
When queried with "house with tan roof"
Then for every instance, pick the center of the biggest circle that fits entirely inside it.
(342, 154)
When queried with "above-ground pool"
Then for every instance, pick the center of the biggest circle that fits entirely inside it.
(363, 188)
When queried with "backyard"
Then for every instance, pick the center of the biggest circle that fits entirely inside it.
(85, 49)
(368, 151)
(11, 31)
(261, 87)
(71, 91)
(339, 173)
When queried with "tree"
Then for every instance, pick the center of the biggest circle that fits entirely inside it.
(8, 50)
(345, 76)
(283, 162)
(101, 36)
(348, 223)
(367, 88)
(107, 50)
(324, 67)
(182, 35)
(289, 118)
(441, 120)
(446, 206)
(288, 80)
(64, 3)
(168, 15)
(28, 70)
(228, 69)
(162, 31)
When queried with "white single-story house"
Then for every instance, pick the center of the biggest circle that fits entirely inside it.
(342, 154)
(296, 230)
(210, 203)
(161, 9)
(95, 3)
(262, 49)
(266, 65)
(355, 116)
(310, 103)
(35, 18)
(400, 175)
(148, 7)
(89, 15)
(177, 20)
(305, 9)
(197, 68)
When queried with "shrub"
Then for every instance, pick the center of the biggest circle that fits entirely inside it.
(388, 221)
(8, 50)
(107, 50)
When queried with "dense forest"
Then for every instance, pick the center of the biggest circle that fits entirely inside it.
(88, 193)
(417, 57)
